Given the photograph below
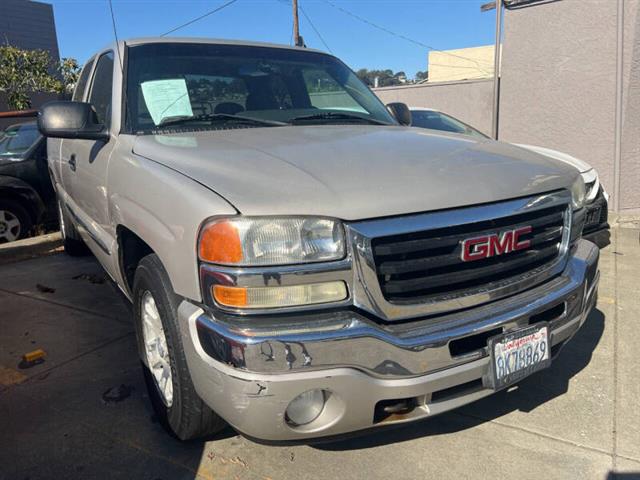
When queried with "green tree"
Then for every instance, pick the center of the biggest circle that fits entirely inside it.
(386, 78)
(70, 72)
(421, 76)
(23, 72)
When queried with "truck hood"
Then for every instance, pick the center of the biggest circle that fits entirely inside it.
(353, 172)
(563, 157)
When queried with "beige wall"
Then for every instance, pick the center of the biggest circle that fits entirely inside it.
(470, 101)
(461, 64)
(630, 145)
(558, 86)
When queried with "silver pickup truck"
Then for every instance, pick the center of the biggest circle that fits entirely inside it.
(301, 262)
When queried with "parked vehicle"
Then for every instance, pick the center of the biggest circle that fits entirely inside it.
(301, 264)
(25, 186)
(596, 227)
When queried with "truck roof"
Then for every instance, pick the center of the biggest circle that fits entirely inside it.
(215, 41)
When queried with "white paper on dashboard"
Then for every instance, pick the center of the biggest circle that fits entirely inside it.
(167, 98)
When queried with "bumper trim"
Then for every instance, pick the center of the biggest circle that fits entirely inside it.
(349, 339)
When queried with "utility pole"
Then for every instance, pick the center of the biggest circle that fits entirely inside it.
(496, 70)
(497, 4)
(297, 40)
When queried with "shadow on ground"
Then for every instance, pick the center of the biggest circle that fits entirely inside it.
(528, 395)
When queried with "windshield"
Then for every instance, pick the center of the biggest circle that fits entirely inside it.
(168, 83)
(16, 140)
(441, 121)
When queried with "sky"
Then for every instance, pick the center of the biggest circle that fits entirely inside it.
(84, 26)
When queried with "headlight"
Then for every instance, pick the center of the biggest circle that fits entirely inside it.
(246, 241)
(578, 193)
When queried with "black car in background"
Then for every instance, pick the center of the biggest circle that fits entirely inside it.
(596, 227)
(25, 186)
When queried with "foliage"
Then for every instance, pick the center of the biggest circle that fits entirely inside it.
(23, 72)
(388, 78)
(70, 72)
(421, 76)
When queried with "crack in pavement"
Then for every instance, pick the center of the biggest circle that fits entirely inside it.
(614, 430)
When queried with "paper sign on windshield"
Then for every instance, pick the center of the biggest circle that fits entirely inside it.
(167, 98)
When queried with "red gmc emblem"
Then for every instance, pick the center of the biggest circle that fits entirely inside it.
(487, 246)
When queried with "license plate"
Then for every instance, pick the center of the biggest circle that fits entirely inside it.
(516, 355)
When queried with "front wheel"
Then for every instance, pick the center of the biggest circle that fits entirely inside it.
(15, 221)
(167, 376)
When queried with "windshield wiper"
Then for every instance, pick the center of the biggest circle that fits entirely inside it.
(215, 117)
(331, 116)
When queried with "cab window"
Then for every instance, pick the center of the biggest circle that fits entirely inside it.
(101, 88)
(78, 93)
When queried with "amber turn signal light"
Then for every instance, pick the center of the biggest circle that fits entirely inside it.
(230, 296)
(220, 243)
(280, 296)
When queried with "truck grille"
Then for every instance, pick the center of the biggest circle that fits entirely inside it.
(421, 265)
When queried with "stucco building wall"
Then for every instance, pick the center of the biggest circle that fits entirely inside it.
(630, 145)
(470, 101)
(558, 84)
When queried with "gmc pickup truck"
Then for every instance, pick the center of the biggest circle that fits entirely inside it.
(301, 262)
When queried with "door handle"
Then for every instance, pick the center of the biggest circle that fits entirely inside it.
(72, 162)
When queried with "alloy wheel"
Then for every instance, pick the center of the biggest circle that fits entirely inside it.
(155, 347)
(10, 226)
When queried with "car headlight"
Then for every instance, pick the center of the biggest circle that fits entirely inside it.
(578, 193)
(247, 241)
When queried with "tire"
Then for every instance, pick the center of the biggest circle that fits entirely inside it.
(15, 221)
(185, 415)
(73, 244)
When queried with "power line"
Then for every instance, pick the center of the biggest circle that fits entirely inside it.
(315, 29)
(399, 35)
(211, 12)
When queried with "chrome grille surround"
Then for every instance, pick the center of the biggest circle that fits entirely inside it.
(366, 290)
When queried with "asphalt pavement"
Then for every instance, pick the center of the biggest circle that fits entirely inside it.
(83, 412)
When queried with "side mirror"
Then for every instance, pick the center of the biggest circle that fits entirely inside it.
(401, 113)
(66, 119)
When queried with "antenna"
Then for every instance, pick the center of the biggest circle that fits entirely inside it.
(115, 34)
(121, 63)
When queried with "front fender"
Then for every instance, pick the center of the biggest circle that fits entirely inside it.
(165, 209)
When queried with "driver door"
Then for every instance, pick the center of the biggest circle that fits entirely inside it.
(88, 161)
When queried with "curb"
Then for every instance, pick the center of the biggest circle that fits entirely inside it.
(30, 248)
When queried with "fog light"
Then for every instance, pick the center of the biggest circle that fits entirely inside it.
(306, 407)
(281, 296)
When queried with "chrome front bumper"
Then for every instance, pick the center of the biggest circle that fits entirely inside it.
(248, 371)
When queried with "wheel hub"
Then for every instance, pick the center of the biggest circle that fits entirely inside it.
(155, 347)
(9, 226)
